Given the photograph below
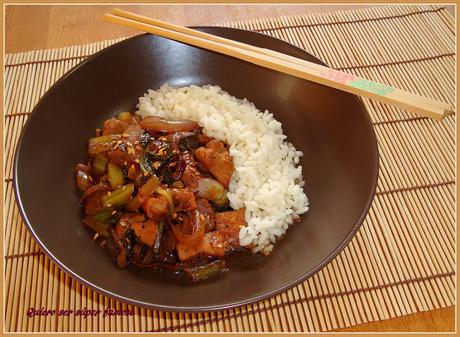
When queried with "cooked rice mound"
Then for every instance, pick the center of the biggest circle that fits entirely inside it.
(267, 180)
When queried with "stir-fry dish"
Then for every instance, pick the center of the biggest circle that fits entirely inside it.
(154, 193)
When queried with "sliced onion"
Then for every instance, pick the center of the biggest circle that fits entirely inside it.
(92, 189)
(198, 230)
(155, 123)
(209, 189)
(134, 133)
(83, 177)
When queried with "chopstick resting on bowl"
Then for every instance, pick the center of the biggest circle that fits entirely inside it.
(286, 64)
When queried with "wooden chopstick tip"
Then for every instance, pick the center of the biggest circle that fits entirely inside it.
(118, 11)
(449, 111)
(108, 17)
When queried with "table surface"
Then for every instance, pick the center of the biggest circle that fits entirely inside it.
(31, 27)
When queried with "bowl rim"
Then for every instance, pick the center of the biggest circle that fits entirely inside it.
(225, 306)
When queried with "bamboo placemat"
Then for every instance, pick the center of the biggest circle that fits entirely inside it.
(401, 260)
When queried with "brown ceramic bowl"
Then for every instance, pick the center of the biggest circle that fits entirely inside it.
(332, 129)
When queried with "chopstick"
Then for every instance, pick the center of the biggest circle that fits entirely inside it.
(286, 64)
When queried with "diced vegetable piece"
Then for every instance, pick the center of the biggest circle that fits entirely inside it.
(115, 175)
(134, 204)
(150, 186)
(118, 197)
(145, 191)
(99, 163)
(124, 116)
(101, 221)
(108, 216)
(147, 232)
(101, 144)
(200, 273)
(84, 179)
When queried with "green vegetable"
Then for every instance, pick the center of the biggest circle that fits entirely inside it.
(101, 144)
(203, 272)
(115, 175)
(101, 221)
(124, 116)
(148, 188)
(118, 197)
(149, 158)
(190, 143)
(156, 246)
(100, 163)
(146, 164)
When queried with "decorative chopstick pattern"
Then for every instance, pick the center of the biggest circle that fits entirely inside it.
(401, 261)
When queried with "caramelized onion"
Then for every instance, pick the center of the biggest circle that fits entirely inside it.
(92, 189)
(155, 123)
(83, 177)
(209, 189)
(198, 222)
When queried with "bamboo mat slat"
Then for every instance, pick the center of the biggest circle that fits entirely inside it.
(401, 261)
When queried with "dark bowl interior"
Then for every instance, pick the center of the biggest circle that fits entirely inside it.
(332, 129)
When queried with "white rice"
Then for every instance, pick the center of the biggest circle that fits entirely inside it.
(267, 180)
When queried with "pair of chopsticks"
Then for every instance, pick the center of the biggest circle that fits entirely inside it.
(286, 64)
